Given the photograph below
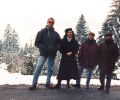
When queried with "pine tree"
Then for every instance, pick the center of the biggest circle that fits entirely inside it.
(7, 43)
(105, 29)
(29, 59)
(81, 29)
(112, 23)
(15, 42)
(114, 20)
(10, 49)
(10, 43)
(26, 49)
(28, 65)
(1, 51)
(1, 44)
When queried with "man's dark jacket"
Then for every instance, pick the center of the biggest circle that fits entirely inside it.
(48, 41)
(108, 55)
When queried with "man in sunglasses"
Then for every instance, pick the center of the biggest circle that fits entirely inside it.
(48, 42)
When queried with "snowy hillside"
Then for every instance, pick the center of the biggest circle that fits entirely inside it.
(16, 78)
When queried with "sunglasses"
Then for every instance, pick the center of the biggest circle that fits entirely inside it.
(51, 22)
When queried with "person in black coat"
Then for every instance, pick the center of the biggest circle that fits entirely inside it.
(68, 66)
(108, 55)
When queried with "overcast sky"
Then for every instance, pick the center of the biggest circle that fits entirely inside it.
(27, 17)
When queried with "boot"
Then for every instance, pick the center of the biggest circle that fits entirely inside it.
(101, 88)
(68, 83)
(33, 87)
(58, 85)
(87, 86)
(76, 85)
(49, 86)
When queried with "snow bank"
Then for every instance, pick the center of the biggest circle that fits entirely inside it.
(16, 78)
(117, 72)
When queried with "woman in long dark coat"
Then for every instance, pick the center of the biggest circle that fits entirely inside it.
(68, 66)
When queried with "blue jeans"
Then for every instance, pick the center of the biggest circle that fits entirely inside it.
(88, 72)
(39, 66)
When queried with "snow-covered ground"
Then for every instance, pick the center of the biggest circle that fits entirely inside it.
(16, 78)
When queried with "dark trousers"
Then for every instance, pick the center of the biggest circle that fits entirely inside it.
(108, 75)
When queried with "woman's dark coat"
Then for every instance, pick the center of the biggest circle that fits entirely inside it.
(108, 55)
(68, 66)
(88, 54)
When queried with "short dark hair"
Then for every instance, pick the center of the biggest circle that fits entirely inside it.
(69, 29)
(108, 34)
(51, 19)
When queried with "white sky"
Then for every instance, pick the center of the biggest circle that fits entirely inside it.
(29, 16)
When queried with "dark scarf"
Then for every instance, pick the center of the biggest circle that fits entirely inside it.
(90, 42)
(49, 28)
(109, 41)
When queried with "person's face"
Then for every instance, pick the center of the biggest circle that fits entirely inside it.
(50, 23)
(91, 37)
(69, 34)
(108, 37)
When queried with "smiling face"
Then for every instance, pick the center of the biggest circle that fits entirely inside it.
(91, 37)
(70, 34)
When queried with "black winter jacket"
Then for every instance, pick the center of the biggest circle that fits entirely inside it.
(108, 55)
(48, 42)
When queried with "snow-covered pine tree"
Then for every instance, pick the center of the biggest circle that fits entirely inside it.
(105, 29)
(10, 49)
(29, 59)
(1, 44)
(81, 29)
(113, 21)
(1, 51)
(21, 52)
(15, 41)
(7, 42)
(10, 42)
(26, 49)
(28, 65)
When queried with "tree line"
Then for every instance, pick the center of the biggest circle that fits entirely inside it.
(23, 59)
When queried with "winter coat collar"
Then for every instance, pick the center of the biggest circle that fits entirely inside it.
(109, 42)
(90, 42)
(52, 28)
(69, 39)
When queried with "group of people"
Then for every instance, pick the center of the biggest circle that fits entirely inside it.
(89, 55)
